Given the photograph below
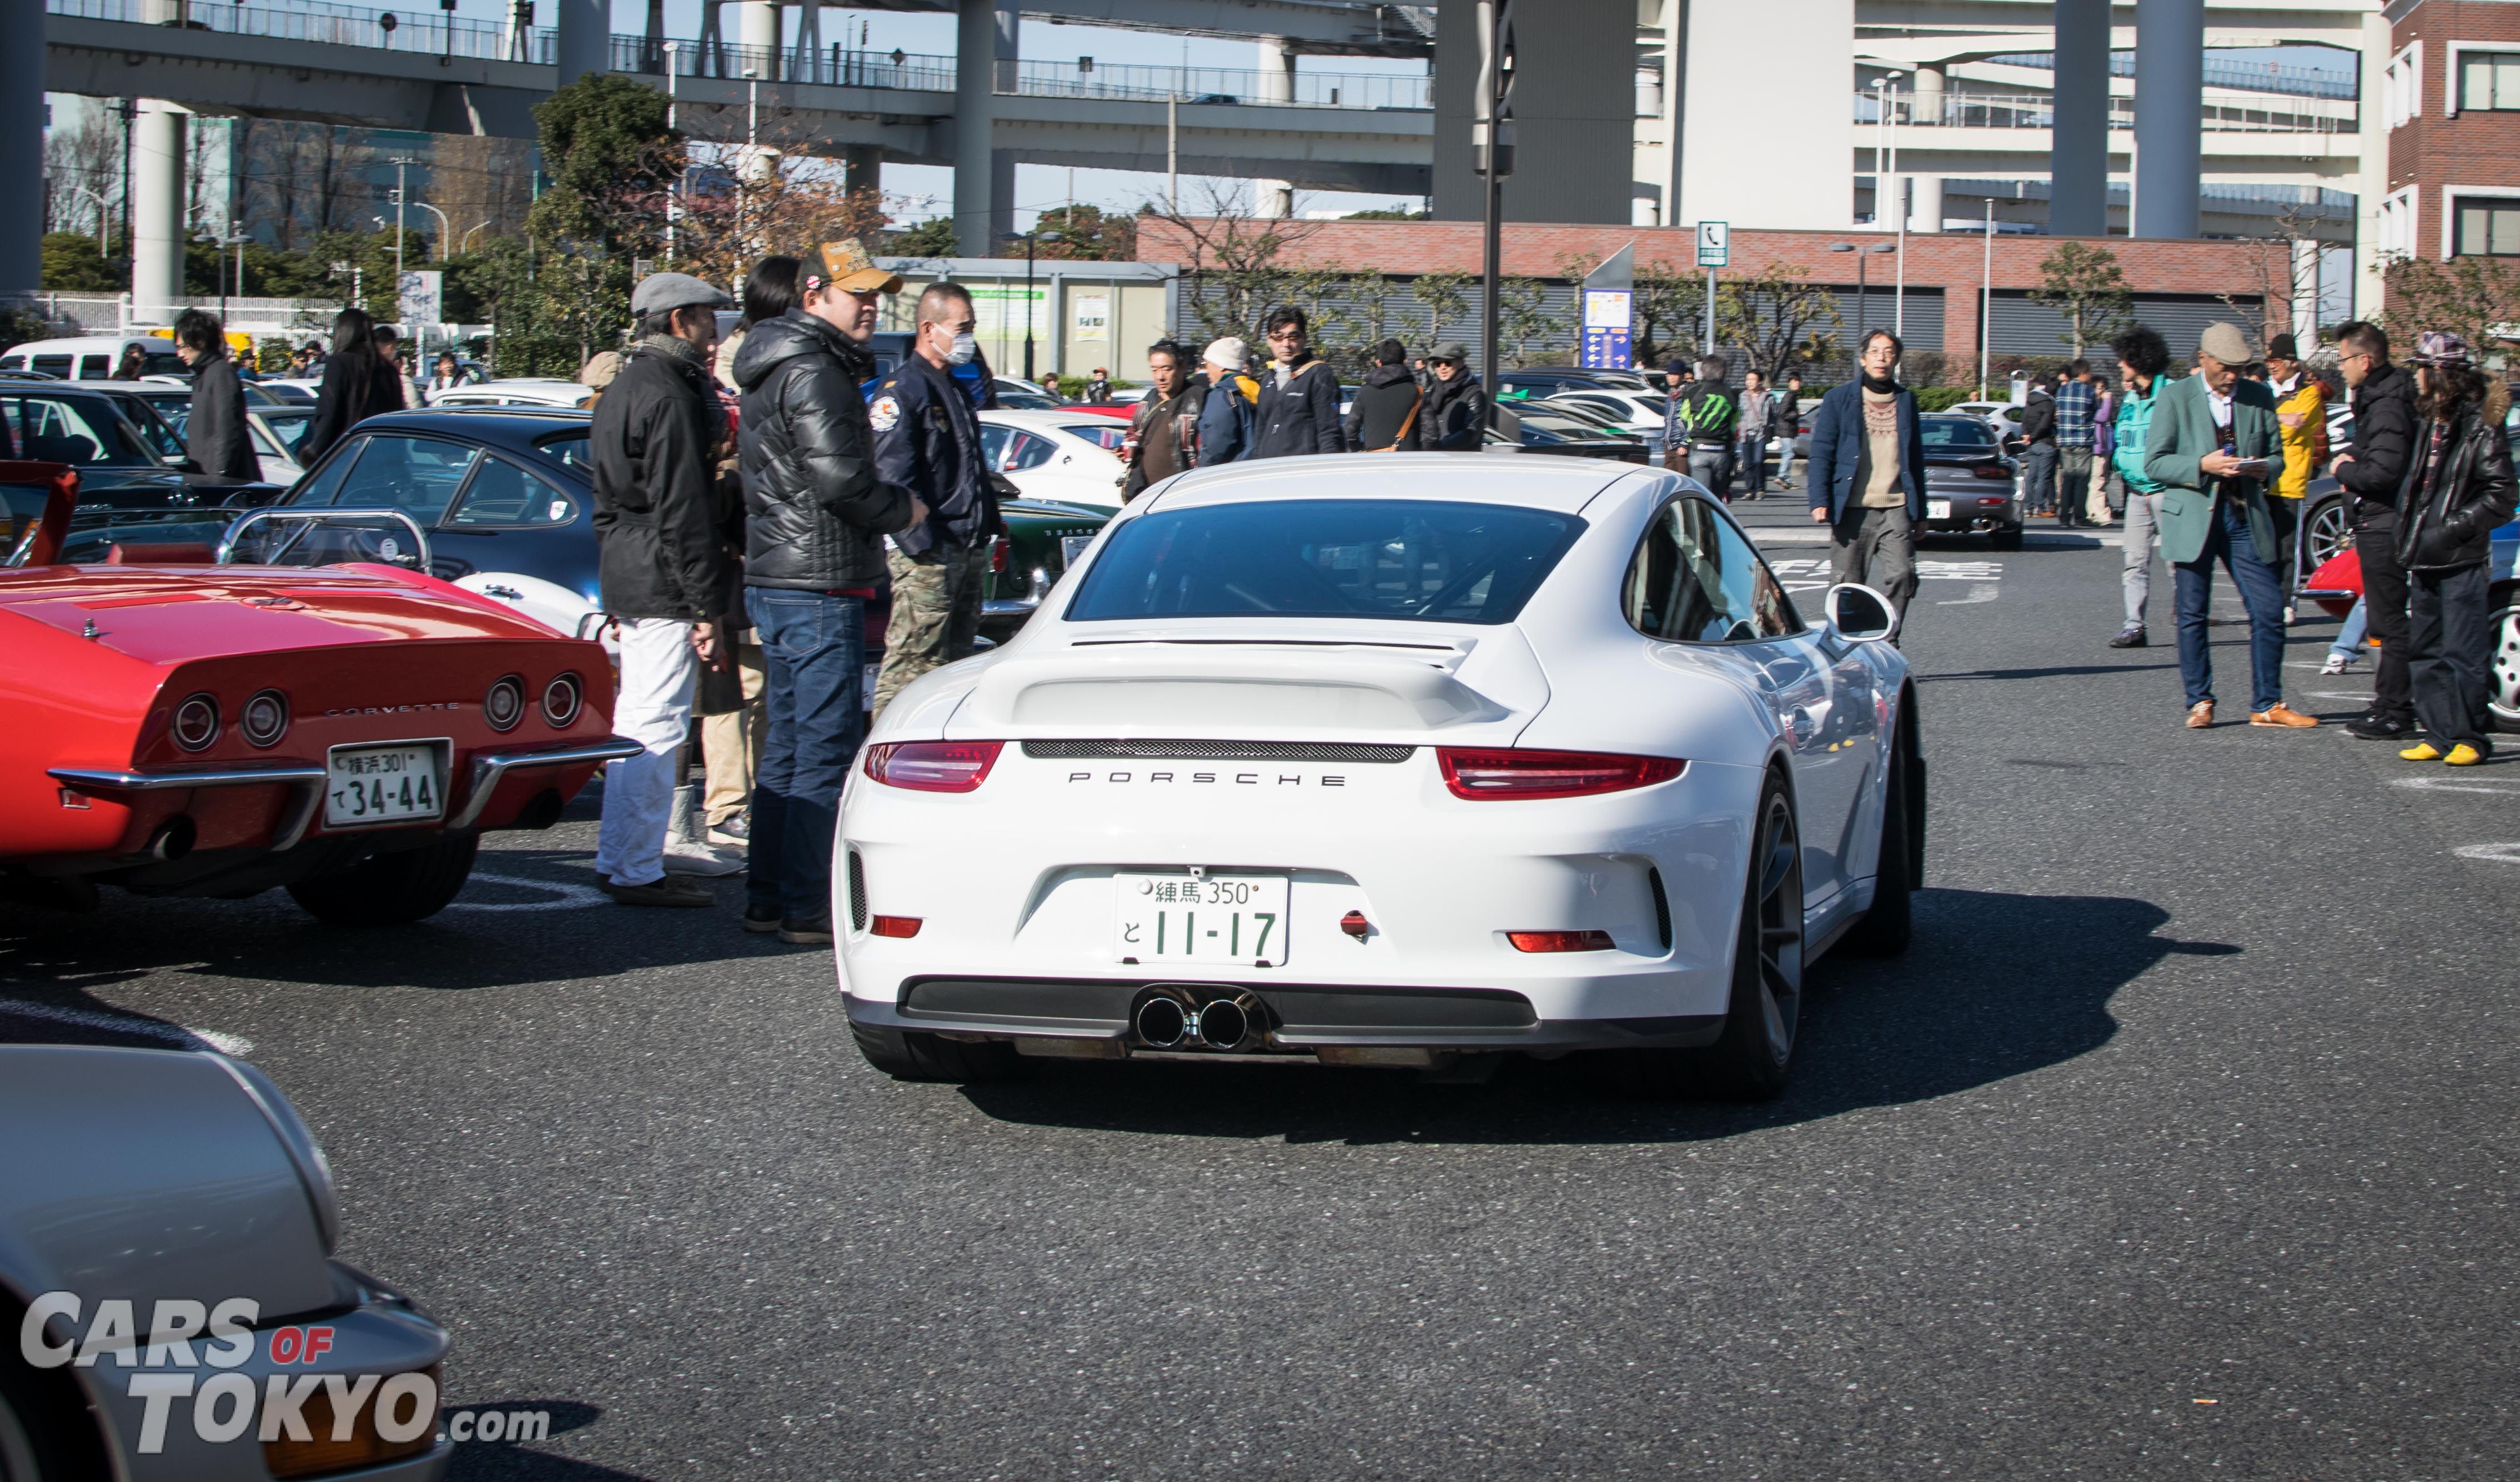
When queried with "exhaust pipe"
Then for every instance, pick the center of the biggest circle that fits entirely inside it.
(1165, 1021)
(173, 840)
(1231, 1024)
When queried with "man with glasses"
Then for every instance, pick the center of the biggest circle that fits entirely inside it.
(1868, 476)
(2384, 438)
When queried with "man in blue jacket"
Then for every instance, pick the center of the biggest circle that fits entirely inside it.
(1868, 476)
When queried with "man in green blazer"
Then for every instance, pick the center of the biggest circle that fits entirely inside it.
(2215, 449)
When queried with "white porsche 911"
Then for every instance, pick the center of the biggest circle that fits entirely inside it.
(1387, 761)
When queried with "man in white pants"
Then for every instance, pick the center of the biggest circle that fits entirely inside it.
(666, 576)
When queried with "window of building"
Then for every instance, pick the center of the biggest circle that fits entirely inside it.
(2489, 80)
(2485, 228)
(2397, 224)
(2401, 85)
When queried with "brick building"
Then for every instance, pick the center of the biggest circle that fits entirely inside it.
(2450, 94)
(2179, 287)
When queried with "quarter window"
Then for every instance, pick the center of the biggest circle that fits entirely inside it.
(501, 494)
(84, 432)
(1696, 578)
(2487, 228)
(418, 476)
(2489, 81)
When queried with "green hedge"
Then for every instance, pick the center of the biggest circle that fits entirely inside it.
(1943, 398)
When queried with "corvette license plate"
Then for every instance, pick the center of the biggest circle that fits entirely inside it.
(1225, 920)
(1938, 509)
(1071, 547)
(382, 784)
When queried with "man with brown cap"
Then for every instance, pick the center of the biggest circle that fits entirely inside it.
(2215, 447)
(813, 557)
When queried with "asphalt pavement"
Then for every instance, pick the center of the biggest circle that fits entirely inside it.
(2179, 1144)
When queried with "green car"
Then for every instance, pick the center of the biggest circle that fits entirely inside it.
(1042, 538)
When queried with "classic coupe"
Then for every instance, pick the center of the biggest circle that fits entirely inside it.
(1478, 755)
(183, 727)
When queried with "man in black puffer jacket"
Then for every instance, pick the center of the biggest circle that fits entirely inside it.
(1299, 397)
(1384, 416)
(813, 557)
(2384, 436)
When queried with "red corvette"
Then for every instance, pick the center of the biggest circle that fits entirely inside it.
(179, 726)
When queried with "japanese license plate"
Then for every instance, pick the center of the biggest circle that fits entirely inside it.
(1071, 547)
(382, 784)
(1225, 920)
(1938, 509)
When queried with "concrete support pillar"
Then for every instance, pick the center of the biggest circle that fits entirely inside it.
(156, 211)
(861, 167)
(2372, 180)
(2169, 116)
(1924, 203)
(2078, 158)
(21, 146)
(976, 40)
(1274, 198)
(583, 42)
(756, 30)
(1002, 204)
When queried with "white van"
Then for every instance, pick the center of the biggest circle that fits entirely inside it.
(93, 358)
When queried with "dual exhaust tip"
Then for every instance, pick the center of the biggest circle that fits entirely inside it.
(1170, 1019)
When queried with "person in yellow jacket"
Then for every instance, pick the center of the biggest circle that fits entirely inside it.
(2300, 412)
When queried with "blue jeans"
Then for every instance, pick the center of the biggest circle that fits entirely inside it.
(2039, 478)
(815, 652)
(1750, 461)
(2261, 592)
(2348, 638)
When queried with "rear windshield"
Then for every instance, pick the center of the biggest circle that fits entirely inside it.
(1955, 433)
(1326, 558)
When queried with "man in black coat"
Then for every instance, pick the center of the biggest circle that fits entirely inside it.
(653, 445)
(816, 517)
(214, 432)
(2371, 471)
(1299, 397)
(1383, 418)
(1163, 433)
(1456, 415)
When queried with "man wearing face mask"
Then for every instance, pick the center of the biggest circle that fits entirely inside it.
(927, 440)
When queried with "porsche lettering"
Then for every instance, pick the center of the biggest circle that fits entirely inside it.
(1238, 778)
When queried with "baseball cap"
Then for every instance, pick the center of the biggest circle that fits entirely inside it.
(2283, 348)
(664, 292)
(848, 266)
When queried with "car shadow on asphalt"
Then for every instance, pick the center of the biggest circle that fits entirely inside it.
(1997, 985)
(532, 913)
(503, 1462)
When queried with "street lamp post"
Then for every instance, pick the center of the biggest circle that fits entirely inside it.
(1029, 239)
(402, 164)
(1861, 254)
(673, 193)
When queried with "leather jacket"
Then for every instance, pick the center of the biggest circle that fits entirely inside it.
(817, 512)
(2446, 520)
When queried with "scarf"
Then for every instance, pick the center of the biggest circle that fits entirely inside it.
(1884, 386)
(677, 347)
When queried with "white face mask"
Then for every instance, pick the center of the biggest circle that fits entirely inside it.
(964, 348)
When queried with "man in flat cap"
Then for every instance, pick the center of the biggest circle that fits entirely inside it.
(817, 512)
(666, 577)
(2216, 448)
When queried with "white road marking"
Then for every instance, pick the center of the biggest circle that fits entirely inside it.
(1960, 570)
(180, 1035)
(1985, 592)
(565, 897)
(2340, 695)
(2500, 854)
(2445, 785)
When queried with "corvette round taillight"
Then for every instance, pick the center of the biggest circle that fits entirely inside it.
(561, 700)
(197, 721)
(265, 720)
(505, 704)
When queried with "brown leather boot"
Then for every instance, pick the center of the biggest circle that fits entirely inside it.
(2200, 715)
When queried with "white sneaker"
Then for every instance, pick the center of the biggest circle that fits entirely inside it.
(693, 859)
(2337, 664)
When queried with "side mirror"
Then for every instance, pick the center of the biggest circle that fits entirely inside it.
(1859, 614)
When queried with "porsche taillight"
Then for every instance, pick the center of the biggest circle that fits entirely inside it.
(1482, 772)
(932, 766)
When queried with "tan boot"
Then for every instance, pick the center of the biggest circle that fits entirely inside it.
(2281, 715)
(2200, 715)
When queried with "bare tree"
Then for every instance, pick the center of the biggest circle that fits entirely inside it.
(1779, 319)
(1234, 259)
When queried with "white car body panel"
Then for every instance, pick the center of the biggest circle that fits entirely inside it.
(1441, 879)
(1079, 472)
